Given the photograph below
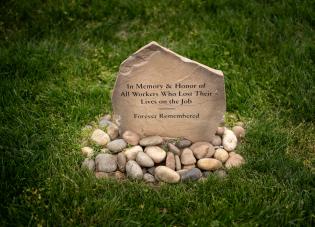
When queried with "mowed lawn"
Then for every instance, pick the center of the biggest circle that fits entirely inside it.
(58, 63)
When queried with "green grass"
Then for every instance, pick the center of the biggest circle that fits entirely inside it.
(58, 61)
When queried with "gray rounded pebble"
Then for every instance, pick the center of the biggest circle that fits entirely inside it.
(183, 143)
(144, 160)
(121, 161)
(171, 147)
(133, 170)
(191, 175)
(147, 177)
(106, 163)
(88, 164)
(116, 146)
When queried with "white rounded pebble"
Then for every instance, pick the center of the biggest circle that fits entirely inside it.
(131, 153)
(156, 153)
(229, 140)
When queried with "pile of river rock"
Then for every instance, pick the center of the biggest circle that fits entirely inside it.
(159, 159)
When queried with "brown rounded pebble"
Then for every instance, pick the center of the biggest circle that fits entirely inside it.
(210, 152)
(187, 157)
(234, 160)
(209, 164)
(170, 160)
(200, 149)
(178, 165)
(220, 131)
(221, 155)
(239, 132)
(216, 141)
(189, 166)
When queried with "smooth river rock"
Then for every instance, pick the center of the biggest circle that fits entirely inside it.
(165, 174)
(191, 175)
(133, 170)
(144, 160)
(116, 146)
(106, 163)
(121, 161)
(171, 147)
(100, 137)
(209, 164)
(131, 137)
(147, 177)
(221, 154)
(239, 132)
(88, 164)
(131, 153)
(156, 153)
(235, 160)
(151, 141)
(187, 157)
(183, 143)
(216, 141)
(200, 149)
(178, 164)
(229, 140)
(170, 160)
